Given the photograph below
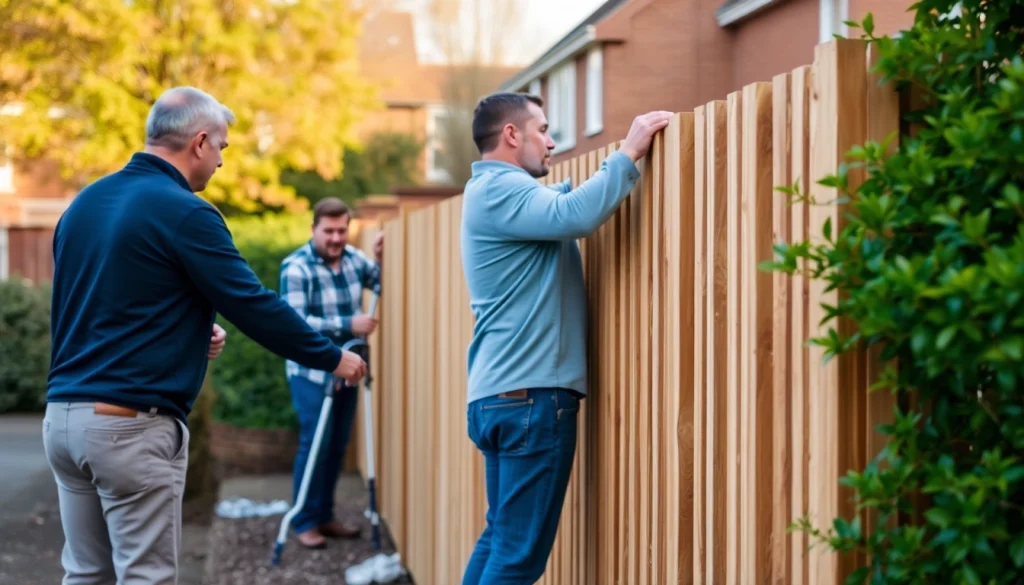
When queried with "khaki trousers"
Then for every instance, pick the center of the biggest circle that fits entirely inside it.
(120, 480)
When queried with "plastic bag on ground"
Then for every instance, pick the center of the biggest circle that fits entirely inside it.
(246, 508)
(378, 569)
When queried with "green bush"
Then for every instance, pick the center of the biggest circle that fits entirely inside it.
(249, 380)
(24, 345)
(386, 160)
(930, 267)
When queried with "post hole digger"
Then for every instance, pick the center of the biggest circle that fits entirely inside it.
(361, 347)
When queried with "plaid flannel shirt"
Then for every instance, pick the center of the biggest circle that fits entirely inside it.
(325, 299)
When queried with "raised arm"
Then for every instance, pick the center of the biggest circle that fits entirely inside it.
(209, 257)
(369, 271)
(520, 208)
(523, 209)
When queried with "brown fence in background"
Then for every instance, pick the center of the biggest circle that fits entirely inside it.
(29, 253)
(710, 426)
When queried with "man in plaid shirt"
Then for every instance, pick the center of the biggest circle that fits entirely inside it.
(324, 281)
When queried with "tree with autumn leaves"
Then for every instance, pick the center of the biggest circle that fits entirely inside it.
(77, 80)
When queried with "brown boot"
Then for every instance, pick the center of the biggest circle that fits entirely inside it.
(334, 529)
(311, 539)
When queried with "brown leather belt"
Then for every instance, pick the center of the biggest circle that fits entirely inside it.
(513, 394)
(114, 410)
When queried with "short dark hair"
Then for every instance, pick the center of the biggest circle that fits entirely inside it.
(329, 207)
(496, 110)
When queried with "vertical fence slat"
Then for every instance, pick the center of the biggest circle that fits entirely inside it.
(683, 227)
(700, 441)
(781, 342)
(445, 422)
(800, 87)
(734, 340)
(642, 242)
(759, 296)
(574, 552)
(717, 365)
(838, 120)
(653, 234)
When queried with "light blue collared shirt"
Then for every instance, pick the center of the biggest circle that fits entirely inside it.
(525, 276)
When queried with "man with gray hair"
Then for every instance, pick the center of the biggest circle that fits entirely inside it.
(141, 268)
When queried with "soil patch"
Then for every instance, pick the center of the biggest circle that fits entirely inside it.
(241, 548)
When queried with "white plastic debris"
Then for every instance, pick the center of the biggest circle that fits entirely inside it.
(377, 569)
(246, 508)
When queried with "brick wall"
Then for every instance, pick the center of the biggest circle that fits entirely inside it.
(890, 16)
(776, 40)
(673, 55)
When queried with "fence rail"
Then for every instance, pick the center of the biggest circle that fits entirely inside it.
(710, 425)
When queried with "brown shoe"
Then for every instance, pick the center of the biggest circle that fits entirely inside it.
(334, 529)
(311, 539)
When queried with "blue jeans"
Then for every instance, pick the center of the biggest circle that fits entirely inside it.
(528, 444)
(308, 399)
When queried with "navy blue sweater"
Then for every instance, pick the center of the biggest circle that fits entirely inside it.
(142, 265)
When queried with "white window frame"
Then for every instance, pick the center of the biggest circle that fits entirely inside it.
(561, 108)
(6, 171)
(595, 92)
(434, 175)
(534, 88)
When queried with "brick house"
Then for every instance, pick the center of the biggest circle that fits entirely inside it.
(633, 56)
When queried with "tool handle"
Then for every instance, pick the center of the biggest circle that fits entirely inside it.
(373, 303)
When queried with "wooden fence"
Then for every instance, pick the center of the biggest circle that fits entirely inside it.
(710, 426)
(26, 252)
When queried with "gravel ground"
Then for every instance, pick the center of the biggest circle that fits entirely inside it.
(240, 548)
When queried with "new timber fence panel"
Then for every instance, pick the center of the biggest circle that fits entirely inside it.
(799, 214)
(716, 340)
(698, 534)
(838, 121)
(781, 314)
(710, 425)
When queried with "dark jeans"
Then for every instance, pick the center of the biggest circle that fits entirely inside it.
(308, 398)
(528, 444)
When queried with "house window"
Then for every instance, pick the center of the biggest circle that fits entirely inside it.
(595, 96)
(437, 163)
(6, 170)
(562, 107)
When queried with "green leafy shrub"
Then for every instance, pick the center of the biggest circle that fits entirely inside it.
(930, 267)
(250, 382)
(386, 160)
(24, 345)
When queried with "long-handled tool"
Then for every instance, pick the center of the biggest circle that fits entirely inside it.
(359, 346)
(368, 435)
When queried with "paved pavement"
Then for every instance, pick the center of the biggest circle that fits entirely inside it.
(30, 533)
(31, 537)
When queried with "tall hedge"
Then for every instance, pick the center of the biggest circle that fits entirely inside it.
(24, 345)
(930, 267)
(249, 380)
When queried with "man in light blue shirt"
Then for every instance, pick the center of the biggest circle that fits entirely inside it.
(528, 360)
